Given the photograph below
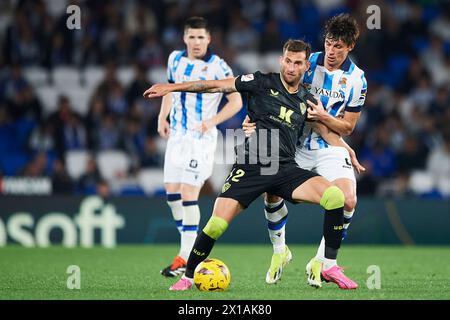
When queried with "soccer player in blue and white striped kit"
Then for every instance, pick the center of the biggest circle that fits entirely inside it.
(340, 88)
(191, 133)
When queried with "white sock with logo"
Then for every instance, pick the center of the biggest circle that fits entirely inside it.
(276, 216)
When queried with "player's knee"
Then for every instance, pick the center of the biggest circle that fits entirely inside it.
(350, 201)
(332, 198)
(215, 227)
(189, 194)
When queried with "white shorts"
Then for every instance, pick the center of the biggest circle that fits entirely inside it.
(331, 163)
(189, 160)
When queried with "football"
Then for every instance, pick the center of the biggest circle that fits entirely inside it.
(212, 275)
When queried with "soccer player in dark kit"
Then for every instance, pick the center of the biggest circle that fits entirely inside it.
(277, 103)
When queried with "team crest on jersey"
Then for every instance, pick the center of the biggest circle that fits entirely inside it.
(247, 77)
(274, 93)
(302, 107)
(343, 81)
(205, 68)
(225, 187)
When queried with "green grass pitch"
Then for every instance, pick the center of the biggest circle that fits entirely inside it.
(132, 272)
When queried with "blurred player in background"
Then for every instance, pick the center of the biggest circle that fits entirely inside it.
(340, 88)
(191, 132)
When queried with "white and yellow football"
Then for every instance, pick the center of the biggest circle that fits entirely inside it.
(212, 275)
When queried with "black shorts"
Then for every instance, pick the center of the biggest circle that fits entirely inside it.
(245, 182)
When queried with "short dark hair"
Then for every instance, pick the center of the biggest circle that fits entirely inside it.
(196, 23)
(297, 46)
(342, 27)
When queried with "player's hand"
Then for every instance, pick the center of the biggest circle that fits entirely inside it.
(248, 127)
(157, 90)
(316, 111)
(205, 126)
(358, 167)
(163, 128)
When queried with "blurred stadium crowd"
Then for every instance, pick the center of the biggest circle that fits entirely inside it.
(71, 105)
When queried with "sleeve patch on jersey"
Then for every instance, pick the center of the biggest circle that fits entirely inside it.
(247, 77)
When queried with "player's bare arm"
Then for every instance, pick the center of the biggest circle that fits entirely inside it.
(344, 126)
(204, 86)
(163, 124)
(334, 139)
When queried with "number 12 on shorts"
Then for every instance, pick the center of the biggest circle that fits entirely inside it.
(235, 176)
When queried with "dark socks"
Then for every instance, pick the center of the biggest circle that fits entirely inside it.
(332, 231)
(201, 250)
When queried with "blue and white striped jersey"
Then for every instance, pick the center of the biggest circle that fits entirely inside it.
(189, 109)
(340, 90)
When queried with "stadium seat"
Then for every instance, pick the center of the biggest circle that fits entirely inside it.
(92, 76)
(8, 139)
(248, 61)
(79, 98)
(36, 76)
(76, 161)
(443, 186)
(397, 66)
(125, 75)
(48, 95)
(157, 75)
(151, 180)
(64, 77)
(421, 182)
(23, 128)
(113, 164)
(12, 162)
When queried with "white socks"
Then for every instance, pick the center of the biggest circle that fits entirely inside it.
(276, 216)
(176, 206)
(191, 219)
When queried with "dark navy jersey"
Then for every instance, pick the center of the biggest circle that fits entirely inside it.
(275, 111)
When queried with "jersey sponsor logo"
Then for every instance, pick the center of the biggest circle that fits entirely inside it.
(329, 93)
(247, 77)
(285, 114)
(274, 93)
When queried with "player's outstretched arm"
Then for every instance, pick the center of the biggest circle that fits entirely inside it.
(335, 139)
(206, 86)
